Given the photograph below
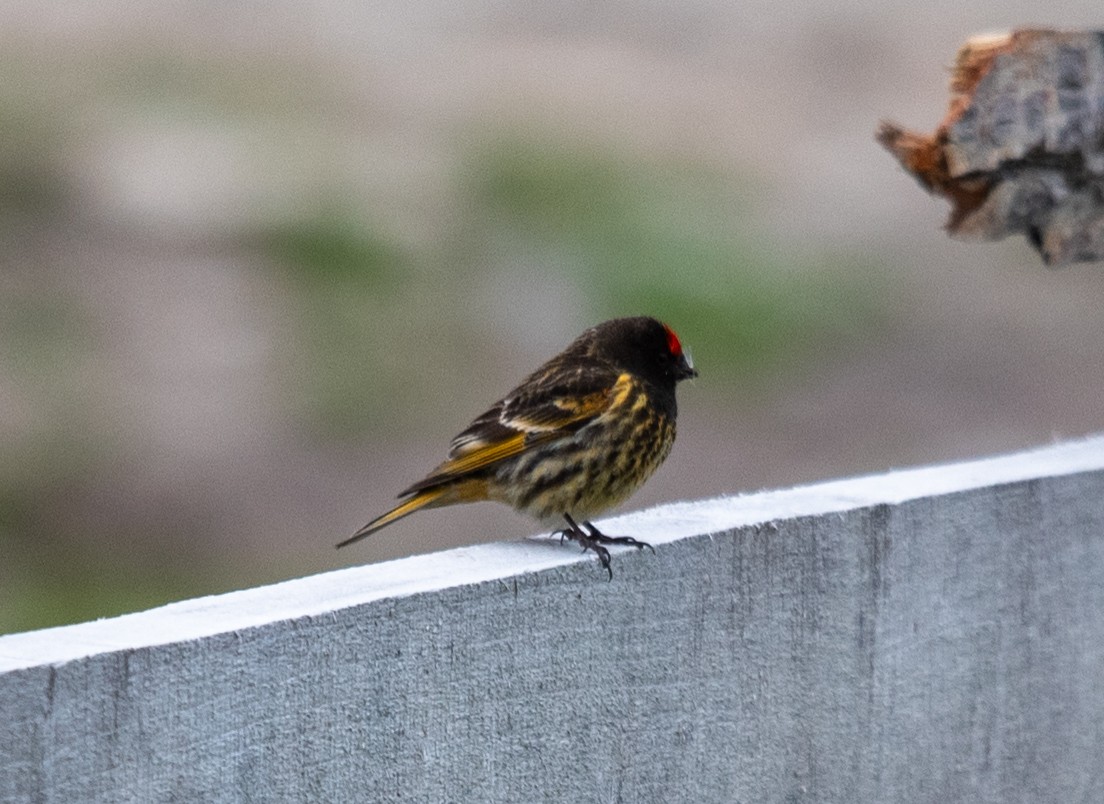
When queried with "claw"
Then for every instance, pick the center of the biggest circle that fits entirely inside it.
(590, 538)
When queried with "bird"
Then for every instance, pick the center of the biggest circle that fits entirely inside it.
(575, 438)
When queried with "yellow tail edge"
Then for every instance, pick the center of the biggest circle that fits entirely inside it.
(418, 501)
(467, 490)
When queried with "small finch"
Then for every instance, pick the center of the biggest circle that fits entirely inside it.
(577, 437)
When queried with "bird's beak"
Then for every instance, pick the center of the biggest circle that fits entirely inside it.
(685, 369)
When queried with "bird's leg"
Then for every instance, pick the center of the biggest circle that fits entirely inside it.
(602, 538)
(577, 534)
(593, 539)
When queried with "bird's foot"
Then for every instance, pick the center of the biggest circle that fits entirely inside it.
(591, 538)
(604, 539)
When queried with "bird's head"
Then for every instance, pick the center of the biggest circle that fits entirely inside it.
(644, 346)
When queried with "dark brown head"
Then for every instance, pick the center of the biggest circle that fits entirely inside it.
(644, 346)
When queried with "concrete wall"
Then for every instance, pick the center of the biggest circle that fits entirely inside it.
(928, 635)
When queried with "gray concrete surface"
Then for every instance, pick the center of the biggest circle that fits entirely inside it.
(926, 635)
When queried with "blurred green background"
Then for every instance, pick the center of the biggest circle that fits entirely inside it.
(260, 265)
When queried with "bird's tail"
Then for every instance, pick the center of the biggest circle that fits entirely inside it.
(432, 497)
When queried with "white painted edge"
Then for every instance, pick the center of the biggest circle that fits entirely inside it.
(320, 594)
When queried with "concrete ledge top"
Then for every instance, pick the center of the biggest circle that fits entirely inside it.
(319, 594)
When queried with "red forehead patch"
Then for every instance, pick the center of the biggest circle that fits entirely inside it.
(673, 344)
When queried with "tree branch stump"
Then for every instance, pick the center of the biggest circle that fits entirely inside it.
(1021, 148)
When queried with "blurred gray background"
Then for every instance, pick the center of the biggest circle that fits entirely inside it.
(262, 261)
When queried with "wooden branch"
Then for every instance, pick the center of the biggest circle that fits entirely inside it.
(932, 634)
(1021, 148)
